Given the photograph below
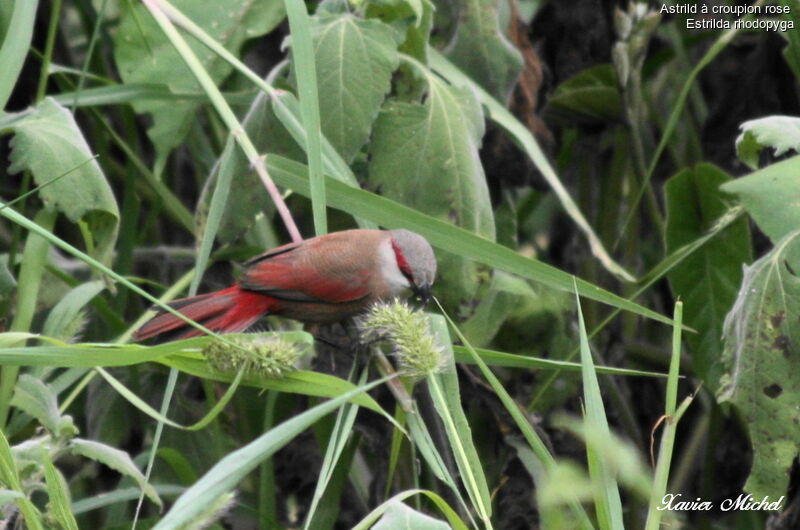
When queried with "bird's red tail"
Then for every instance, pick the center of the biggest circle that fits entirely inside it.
(230, 310)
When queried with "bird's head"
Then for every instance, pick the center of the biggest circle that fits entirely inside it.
(416, 261)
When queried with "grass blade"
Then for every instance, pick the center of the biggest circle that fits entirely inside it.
(607, 499)
(15, 46)
(305, 70)
(671, 417)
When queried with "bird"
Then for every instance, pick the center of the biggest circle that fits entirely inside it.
(320, 280)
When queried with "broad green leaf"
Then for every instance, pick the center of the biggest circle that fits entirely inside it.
(481, 49)
(34, 397)
(355, 60)
(115, 459)
(762, 358)
(591, 96)
(58, 506)
(228, 472)
(413, 19)
(48, 142)
(144, 54)
(399, 516)
(782, 133)
(64, 320)
(708, 280)
(426, 156)
(771, 196)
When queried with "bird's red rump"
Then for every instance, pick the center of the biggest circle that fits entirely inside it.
(230, 310)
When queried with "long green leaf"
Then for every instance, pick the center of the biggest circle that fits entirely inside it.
(443, 235)
(607, 500)
(305, 70)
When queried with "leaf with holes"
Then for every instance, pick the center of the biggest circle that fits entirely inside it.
(782, 133)
(762, 358)
(708, 280)
(772, 196)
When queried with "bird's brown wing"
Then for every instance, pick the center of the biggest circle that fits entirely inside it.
(291, 273)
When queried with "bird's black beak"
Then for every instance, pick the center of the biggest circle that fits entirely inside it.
(422, 292)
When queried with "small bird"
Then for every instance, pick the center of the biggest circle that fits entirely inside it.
(321, 280)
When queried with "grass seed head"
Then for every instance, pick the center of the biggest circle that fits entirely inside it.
(408, 332)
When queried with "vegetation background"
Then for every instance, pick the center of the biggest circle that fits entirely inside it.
(528, 140)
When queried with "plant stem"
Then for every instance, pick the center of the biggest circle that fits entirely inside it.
(34, 259)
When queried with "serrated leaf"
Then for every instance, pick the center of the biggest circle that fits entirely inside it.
(708, 280)
(782, 133)
(399, 516)
(771, 196)
(144, 54)
(31, 395)
(426, 157)
(115, 459)
(355, 60)
(762, 358)
(61, 321)
(48, 142)
(481, 49)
